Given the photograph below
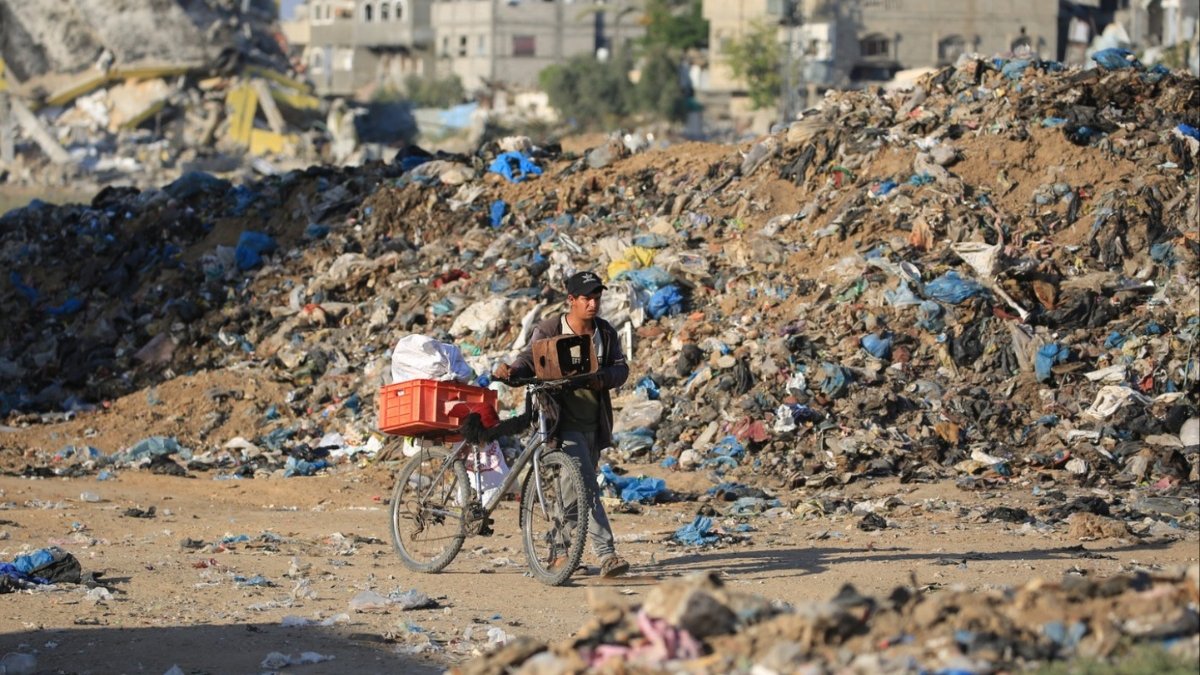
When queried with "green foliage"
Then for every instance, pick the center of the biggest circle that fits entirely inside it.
(590, 92)
(596, 94)
(755, 58)
(659, 91)
(434, 92)
(679, 30)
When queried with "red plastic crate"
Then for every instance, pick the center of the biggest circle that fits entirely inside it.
(420, 407)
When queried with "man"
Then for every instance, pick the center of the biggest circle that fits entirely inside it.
(585, 417)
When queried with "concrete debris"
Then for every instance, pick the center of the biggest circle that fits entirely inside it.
(695, 625)
(840, 302)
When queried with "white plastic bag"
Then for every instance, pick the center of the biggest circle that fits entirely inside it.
(492, 470)
(484, 317)
(417, 357)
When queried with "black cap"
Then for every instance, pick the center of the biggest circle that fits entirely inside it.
(584, 283)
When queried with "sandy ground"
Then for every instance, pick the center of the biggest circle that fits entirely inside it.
(173, 605)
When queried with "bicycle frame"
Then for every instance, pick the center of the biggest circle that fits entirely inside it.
(532, 451)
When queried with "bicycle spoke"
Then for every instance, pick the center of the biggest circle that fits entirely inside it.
(428, 524)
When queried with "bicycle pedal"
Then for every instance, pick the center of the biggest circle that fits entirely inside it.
(485, 527)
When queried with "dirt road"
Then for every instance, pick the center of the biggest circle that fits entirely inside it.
(320, 541)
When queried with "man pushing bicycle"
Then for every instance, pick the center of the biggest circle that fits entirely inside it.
(585, 414)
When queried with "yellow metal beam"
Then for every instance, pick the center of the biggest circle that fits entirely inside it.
(243, 103)
(3, 79)
(278, 78)
(263, 142)
(147, 72)
(84, 85)
(295, 100)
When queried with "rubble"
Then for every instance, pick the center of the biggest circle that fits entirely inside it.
(698, 625)
(142, 97)
(990, 278)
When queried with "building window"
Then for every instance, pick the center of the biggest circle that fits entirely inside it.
(368, 13)
(462, 45)
(875, 45)
(344, 58)
(445, 46)
(399, 9)
(481, 46)
(950, 49)
(316, 62)
(383, 11)
(524, 45)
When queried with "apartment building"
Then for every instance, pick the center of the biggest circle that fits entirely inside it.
(509, 42)
(840, 42)
(357, 45)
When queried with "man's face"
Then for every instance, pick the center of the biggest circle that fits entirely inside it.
(585, 306)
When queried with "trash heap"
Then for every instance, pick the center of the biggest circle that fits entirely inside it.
(697, 625)
(991, 274)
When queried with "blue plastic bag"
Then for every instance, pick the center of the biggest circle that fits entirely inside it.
(631, 489)
(70, 306)
(666, 301)
(697, 532)
(878, 345)
(250, 247)
(647, 278)
(30, 293)
(514, 166)
(648, 385)
(729, 447)
(499, 208)
(953, 289)
(1115, 58)
(836, 381)
(1015, 68)
(1049, 356)
(634, 440)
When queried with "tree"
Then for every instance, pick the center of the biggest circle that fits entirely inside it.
(678, 25)
(755, 59)
(591, 93)
(434, 92)
(659, 91)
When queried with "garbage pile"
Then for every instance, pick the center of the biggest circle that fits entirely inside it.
(142, 97)
(992, 274)
(698, 625)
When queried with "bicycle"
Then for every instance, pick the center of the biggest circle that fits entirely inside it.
(432, 492)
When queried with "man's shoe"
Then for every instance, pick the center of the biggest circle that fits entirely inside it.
(613, 566)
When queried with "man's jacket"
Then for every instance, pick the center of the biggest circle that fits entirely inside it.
(613, 369)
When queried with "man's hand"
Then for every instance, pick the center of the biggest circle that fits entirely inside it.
(502, 372)
(596, 383)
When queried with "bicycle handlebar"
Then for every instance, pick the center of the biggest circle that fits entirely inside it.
(557, 382)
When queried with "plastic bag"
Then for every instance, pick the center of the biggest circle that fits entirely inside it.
(639, 414)
(484, 317)
(666, 301)
(492, 470)
(418, 357)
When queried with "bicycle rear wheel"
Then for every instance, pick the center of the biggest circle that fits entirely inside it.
(428, 511)
(554, 528)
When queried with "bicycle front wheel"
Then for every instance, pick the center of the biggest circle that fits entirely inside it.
(554, 524)
(429, 510)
